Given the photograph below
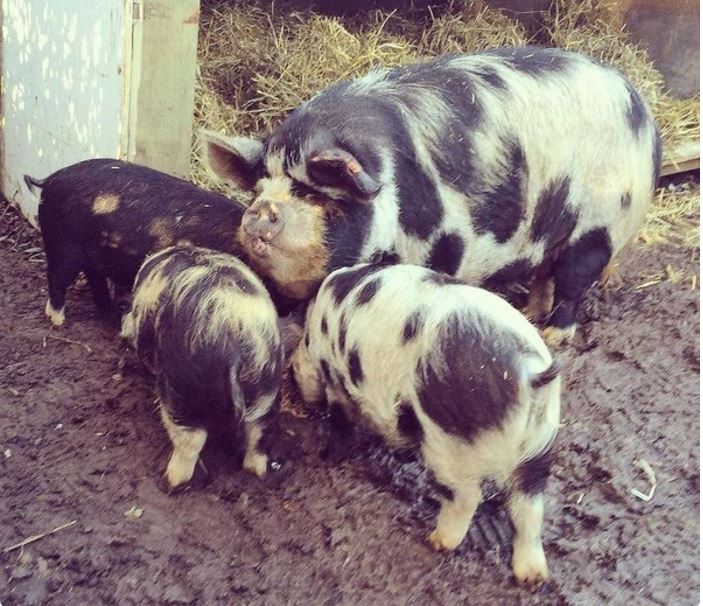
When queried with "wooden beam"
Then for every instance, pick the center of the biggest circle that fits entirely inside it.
(684, 157)
(163, 84)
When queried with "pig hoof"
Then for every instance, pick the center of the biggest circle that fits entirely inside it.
(178, 473)
(555, 337)
(441, 542)
(56, 316)
(256, 463)
(529, 565)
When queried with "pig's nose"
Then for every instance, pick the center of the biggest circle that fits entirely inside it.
(263, 220)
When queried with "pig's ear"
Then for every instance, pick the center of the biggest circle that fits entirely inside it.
(237, 161)
(339, 169)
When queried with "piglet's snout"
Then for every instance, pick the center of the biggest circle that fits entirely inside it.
(263, 220)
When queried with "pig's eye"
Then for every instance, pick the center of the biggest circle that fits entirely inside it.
(300, 190)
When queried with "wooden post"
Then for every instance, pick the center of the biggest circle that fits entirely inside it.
(162, 94)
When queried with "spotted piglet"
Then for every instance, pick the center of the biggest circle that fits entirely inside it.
(451, 369)
(104, 216)
(204, 324)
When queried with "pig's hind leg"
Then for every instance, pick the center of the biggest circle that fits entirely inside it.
(63, 266)
(460, 495)
(459, 503)
(526, 505)
(187, 443)
(259, 421)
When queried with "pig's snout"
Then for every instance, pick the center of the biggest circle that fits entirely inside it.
(263, 221)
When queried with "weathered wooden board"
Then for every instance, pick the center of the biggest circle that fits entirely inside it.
(163, 84)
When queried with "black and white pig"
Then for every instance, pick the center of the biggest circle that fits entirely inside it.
(453, 370)
(204, 324)
(103, 217)
(518, 165)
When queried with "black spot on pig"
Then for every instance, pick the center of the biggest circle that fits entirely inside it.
(455, 151)
(412, 326)
(656, 156)
(368, 292)
(420, 209)
(447, 253)
(346, 233)
(342, 385)
(342, 337)
(490, 77)
(408, 424)
(323, 325)
(532, 60)
(384, 257)
(636, 111)
(442, 489)
(626, 200)
(500, 209)
(346, 280)
(356, 373)
(440, 279)
(468, 389)
(453, 91)
(516, 272)
(553, 221)
(531, 476)
(326, 371)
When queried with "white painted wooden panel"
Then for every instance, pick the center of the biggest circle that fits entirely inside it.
(62, 77)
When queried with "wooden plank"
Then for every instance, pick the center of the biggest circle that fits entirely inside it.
(164, 58)
(685, 156)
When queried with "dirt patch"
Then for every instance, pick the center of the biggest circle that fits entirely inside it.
(80, 440)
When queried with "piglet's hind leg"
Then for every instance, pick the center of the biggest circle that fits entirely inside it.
(255, 461)
(529, 563)
(187, 444)
(458, 508)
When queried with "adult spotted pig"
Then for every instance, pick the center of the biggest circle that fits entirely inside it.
(519, 165)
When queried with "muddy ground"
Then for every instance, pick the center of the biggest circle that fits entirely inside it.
(81, 441)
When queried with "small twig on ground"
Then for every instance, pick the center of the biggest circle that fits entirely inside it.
(64, 339)
(36, 537)
(647, 468)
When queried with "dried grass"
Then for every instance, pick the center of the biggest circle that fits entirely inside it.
(674, 216)
(471, 31)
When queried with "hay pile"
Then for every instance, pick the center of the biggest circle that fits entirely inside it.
(257, 64)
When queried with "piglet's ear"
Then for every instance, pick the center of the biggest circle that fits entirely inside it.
(237, 161)
(340, 169)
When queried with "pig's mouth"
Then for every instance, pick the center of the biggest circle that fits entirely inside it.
(258, 247)
(261, 247)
